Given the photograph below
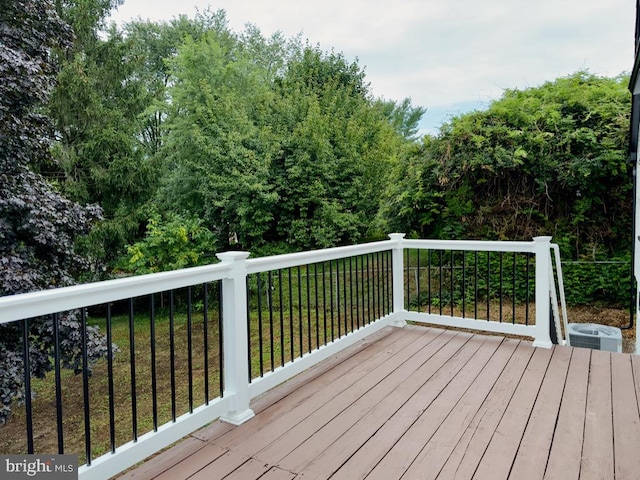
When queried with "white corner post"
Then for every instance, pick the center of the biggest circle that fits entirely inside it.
(543, 291)
(397, 257)
(235, 338)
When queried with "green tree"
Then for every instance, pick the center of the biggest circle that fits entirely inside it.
(96, 107)
(403, 116)
(217, 153)
(334, 150)
(546, 160)
(37, 225)
(171, 243)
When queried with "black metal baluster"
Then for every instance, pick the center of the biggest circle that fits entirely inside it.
(221, 338)
(315, 289)
(451, 281)
(419, 309)
(280, 302)
(58, 380)
(383, 293)
(112, 411)
(260, 346)
(291, 334)
(370, 289)
(464, 283)
(85, 386)
(172, 353)
(526, 321)
(190, 345)
(389, 282)
(407, 263)
(379, 287)
(270, 300)
(26, 361)
(331, 299)
(300, 312)
(346, 301)
(376, 285)
(475, 285)
(132, 364)
(501, 281)
(358, 277)
(324, 304)
(429, 252)
(440, 256)
(365, 292)
(488, 285)
(205, 338)
(338, 298)
(249, 349)
(154, 378)
(513, 290)
(308, 309)
(351, 292)
(385, 282)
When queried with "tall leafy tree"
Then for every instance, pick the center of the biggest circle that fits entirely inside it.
(403, 116)
(546, 160)
(37, 225)
(95, 107)
(216, 150)
(335, 148)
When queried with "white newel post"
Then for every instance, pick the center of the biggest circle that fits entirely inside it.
(235, 338)
(398, 278)
(543, 291)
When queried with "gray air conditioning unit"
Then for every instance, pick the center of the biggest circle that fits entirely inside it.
(592, 335)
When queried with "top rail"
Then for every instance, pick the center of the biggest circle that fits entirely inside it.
(473, 245)
(287, 260)
(34, 304)
(28, 305)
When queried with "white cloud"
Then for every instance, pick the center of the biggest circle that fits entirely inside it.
(441, 52)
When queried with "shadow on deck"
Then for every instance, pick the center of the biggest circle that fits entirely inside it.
(427, 403)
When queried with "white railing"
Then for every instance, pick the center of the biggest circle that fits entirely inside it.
(539, 247)
(232, 271)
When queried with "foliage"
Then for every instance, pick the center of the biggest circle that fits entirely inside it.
(606, 282)
(334, 151)
(272, 143)
(171, 244)
(96, 105)
(547, 160)
(37, 225)
(403, 116)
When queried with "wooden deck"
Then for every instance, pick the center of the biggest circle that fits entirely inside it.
(424, 403)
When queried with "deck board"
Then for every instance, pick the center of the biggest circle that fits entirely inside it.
(566, 449)
(597, 449)
(439, 447)
(626, 419)
(473, 442)
(499, 455)
(428, 403)
(531, 460)
(409, 446)
(333, 457)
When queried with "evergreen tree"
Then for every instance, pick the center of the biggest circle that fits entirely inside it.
(38, 226)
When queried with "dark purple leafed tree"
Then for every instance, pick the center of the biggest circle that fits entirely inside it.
(38, 226)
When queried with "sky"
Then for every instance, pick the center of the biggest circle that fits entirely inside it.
(448, 56)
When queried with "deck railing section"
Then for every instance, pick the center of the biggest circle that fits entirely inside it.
(490, 286)
(296, 310)
(198, 344)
